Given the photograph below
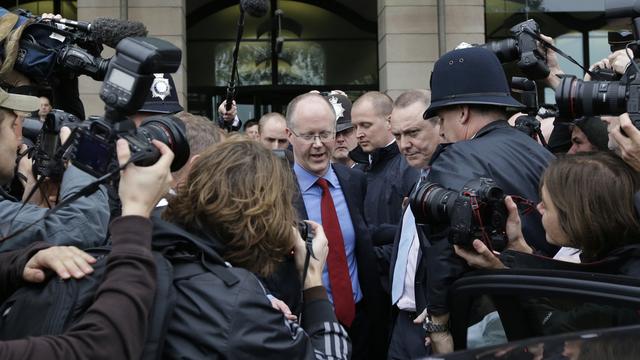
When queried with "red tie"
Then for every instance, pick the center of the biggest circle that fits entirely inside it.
(337, 259)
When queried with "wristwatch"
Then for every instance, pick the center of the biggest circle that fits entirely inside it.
(429, 326)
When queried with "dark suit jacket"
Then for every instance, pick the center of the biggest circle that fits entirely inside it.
(353, 184)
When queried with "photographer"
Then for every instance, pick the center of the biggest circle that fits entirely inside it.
(232, 220)
(469, 94)
(118, 317)
(569, 186)
(83, 223)
(608, 234)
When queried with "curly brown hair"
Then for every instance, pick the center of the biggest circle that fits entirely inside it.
(242, 193)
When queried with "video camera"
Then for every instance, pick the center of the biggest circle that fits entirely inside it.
(476, 212)
(59, 47)
(523, 48)
(127, 81)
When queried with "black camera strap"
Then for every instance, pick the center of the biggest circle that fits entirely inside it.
(560, 52)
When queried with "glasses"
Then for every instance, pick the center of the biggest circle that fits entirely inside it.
(310, 138)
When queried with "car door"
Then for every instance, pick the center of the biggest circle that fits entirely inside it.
(499, 306)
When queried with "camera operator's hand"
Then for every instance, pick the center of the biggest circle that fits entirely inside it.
(320, 250)
(627, 138)
(552, 62)
(142, 187)
(66, 261)
(514, 228)
(602, 64)
(228, 116)
(619, 60)
(481, 258)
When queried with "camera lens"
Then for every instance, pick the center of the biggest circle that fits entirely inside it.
(171, 131)
(431, 203)
(506, 50)
(576, 98)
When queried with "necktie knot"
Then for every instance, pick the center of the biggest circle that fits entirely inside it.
(324, 184)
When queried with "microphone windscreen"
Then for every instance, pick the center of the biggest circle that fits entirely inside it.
(110, 31)
(255, 8)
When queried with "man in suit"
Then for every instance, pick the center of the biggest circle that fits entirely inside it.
(417, 139)
(332, 195)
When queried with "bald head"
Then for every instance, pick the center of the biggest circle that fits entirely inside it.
(273, 131)
(370, 115)
(308, 99)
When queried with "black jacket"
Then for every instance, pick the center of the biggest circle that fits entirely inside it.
(389, 180)
(222, 312)
(515, 162)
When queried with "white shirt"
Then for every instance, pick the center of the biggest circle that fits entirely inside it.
(407, 301)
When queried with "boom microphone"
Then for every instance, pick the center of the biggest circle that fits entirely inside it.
(106, 30)
(255, 8)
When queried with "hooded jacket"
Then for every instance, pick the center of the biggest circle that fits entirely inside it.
(222, 312)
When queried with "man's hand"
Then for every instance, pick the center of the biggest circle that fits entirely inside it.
(228, 116)
(66, 261)
(441, 342)
(628, 142)
(619, 60)
(552, 62)
(142, 187)
(320, 250)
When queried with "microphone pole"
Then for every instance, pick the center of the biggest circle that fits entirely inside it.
(231, 87)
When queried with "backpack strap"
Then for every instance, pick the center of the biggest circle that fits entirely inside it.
(162, 310)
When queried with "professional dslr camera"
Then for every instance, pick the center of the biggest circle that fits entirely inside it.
(576, 98)
(476, 212)
(523, 48)
(127, 82)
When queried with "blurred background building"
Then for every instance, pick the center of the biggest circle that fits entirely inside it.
(353, 45)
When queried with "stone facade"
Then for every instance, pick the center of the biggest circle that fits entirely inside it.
(165, 19)
(408, 39)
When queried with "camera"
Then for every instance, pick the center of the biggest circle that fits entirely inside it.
(476, 212)
(618, 40)
(127, 82)
(523, 48)
(577, 98)
(47, 160)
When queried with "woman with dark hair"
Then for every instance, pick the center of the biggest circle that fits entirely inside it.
(588, 204)
(231, 221)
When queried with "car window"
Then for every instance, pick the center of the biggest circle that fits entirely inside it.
(506, 306)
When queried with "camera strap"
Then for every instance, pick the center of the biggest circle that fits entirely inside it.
(558, 51)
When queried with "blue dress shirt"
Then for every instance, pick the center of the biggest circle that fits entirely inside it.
(312, 196)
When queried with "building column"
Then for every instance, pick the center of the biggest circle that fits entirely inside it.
(165, 19)
(408, 41)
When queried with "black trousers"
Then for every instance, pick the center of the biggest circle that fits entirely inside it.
(407, 338)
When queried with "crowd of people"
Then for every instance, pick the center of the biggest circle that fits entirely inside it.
(294, 235)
